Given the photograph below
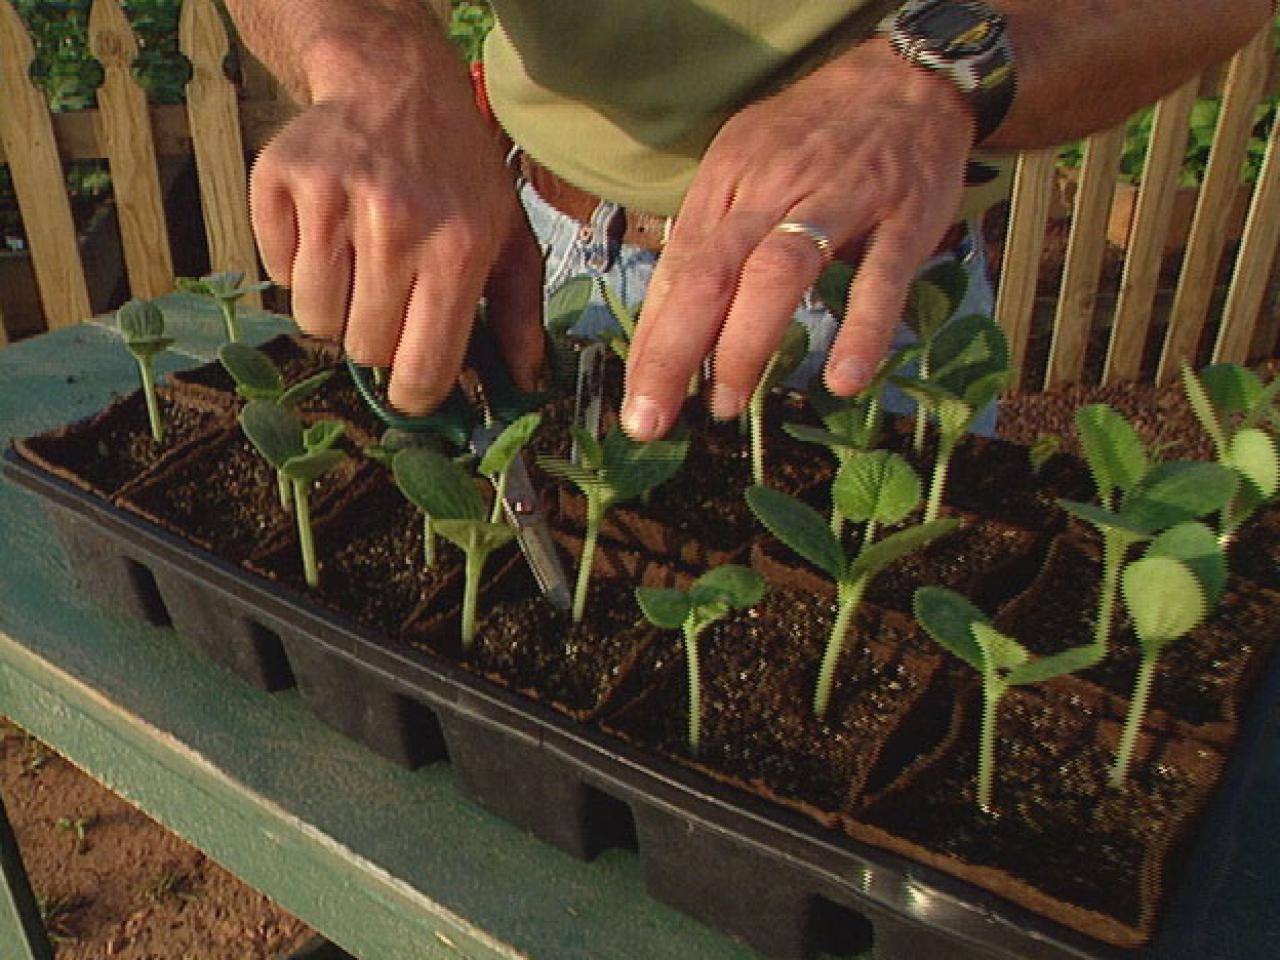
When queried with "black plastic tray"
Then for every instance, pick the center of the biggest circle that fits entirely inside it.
(755, 871)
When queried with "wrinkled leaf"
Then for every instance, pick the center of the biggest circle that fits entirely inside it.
(800, 527)
(1198, 548)
(140, 321)
(876, 485)
(508, 444)
(312, 465)
(437, 486)
(631, 468)
(733, 584)
(1164, 599)
(664, 607)
(274, 431)
(949, 617)
(1112, 448)
(251, 369)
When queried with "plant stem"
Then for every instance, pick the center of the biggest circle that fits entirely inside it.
(992, 693)
(595, 513)
(848, 596)
(837, 522)
(471, 594)
(695, 687)
(310, 570)
(755, 414)
(499, 497)
(1137, 710)
(230, 319)
(917, 435)
(1113, 550)
(149, 394)
(939, 479)
(428, 542)
(283, 489)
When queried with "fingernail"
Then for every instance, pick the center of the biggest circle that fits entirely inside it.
(850, 375)
(726, 402)
(642, 419)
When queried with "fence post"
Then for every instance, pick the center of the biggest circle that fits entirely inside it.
(26, 133)
(131, 153)
(214, 119)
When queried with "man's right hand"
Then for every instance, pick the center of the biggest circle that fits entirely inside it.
(386, 208)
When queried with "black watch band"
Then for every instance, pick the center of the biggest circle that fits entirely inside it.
(965, 41)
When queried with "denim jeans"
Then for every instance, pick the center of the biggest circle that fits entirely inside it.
(572, 249)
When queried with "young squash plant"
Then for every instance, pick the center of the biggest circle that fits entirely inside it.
(1001, 663)
(782, 363)
(141, 323)
(877, 487)
(934, 297)
(302, 455)
(1168, 593)
(226, 290)
(611, 471)
(1232, 405)
(712, 596)
(1151, 497)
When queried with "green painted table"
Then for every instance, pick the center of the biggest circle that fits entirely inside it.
(390, 864)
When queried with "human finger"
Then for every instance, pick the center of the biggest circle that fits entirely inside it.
(320, 277)
(785, 263)
(514, 299)
(383, 279)
(275, 224)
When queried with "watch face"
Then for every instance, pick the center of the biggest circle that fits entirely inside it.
(954, 29)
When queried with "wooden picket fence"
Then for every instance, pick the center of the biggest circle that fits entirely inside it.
(221, 126)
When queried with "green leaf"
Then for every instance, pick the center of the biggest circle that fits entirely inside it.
(323, 435)
(566, 306)
(876, 485)
(1253, 453)
(952, 279)
(832, 441)
(789, 355)
(140, 321)
(1112, 448)
(736, 585)
(664, 607)
(251, 369)
(1203, 406)
(274, 431)
(299, 392)
(1164, 599)
(800, 527)
(508, 444)
(312, 465)
(928, 308)
(631, 468)
(833, 285)
(590, 451)
(987, 388)
(1057, 665)
(966, 350)
(582, 477)
(1104, 519)
(948, 618)
(1000, 652)
(898, 545)
(954, 417)
(1231, 388)
(622, 316)
(1196, 546)
(437, 486)
(473, 536)
(1173, 492)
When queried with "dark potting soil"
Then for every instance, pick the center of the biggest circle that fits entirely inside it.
(223, 497)
(297, 357)
(371, 560)
(1254, 554)
(759, 669)
(524, 642)
(1200, 678)
(1059, 826)
(116, 447)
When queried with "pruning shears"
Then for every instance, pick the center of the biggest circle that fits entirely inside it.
(473, 422)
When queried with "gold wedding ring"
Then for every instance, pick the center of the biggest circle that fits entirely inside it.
(820, 239)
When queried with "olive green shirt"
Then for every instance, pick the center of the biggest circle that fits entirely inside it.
(622, 97)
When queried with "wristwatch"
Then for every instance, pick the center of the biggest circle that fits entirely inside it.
(965, 41)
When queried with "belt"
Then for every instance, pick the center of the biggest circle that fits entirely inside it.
(645, 230)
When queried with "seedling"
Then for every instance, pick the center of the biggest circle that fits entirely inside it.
(1230, 402)
(303, 455)
(171, 883)
(781, 364)
(56, 911)
(611, 471)
(1044, 448)
(1001, 663)
(79, 826)
(712, 596)
(1168, 593)
(258, 378)
(969, 367)
(447, 493)
(225, 289)
(933, 299)
(497, 460)
(141, 324)
(878, 487)
(1151, 498)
